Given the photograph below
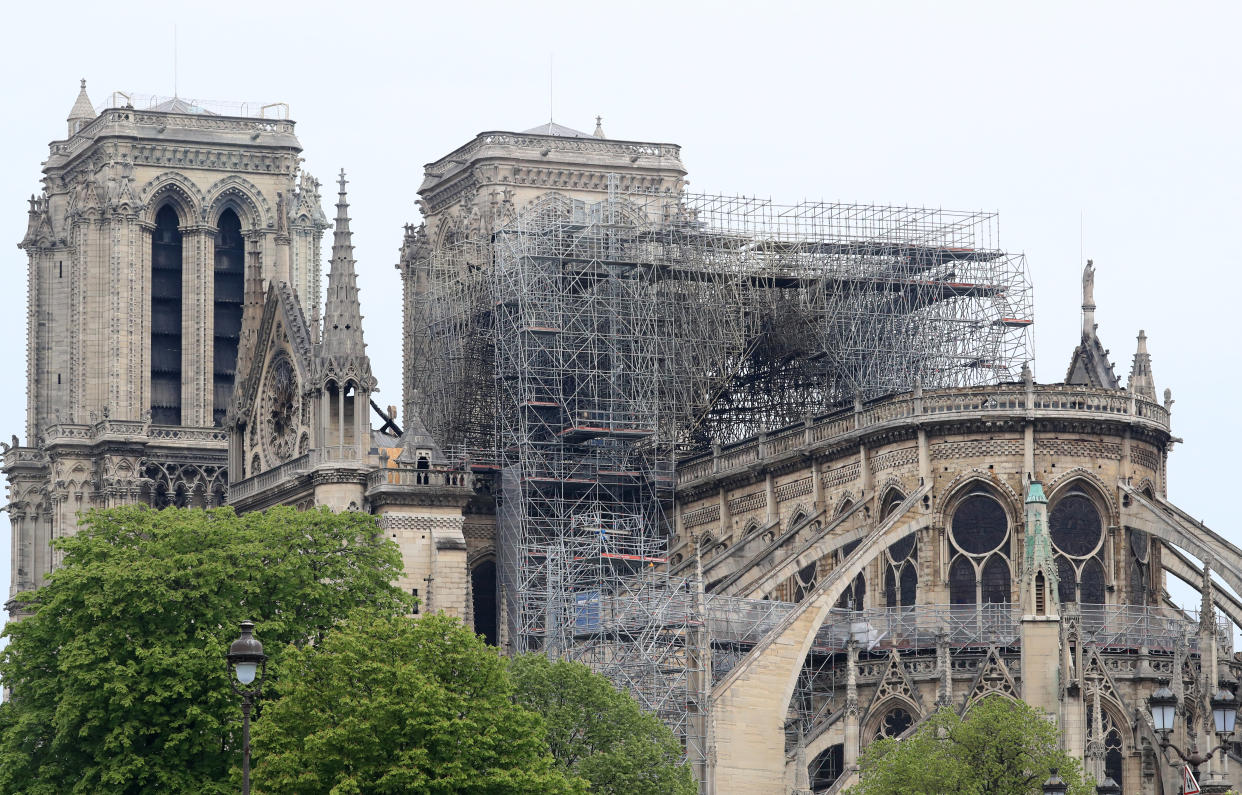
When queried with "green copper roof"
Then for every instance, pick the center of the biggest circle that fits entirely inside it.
(1036, 492)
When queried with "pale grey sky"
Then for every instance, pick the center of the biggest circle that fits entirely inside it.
(1123, 115)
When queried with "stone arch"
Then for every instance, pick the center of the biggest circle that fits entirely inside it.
(243, 197)
(1098, 489)
(751, 526)
(892, 485)
(960, 486)
(800, 514)
(172, 187)
(877, 713)
(843, 504)
(751, 752)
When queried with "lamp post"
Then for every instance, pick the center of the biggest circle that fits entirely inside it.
(1055, 785)
(1163, 706)
(247, 664)
(1108, 787)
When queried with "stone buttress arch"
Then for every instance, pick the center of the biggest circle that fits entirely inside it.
(1168, 523)
(750, 705)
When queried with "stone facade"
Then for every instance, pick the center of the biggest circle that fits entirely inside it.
(130, 361)
(925, 549)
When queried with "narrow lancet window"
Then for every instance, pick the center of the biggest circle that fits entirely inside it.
(166, 318)
(229, 287)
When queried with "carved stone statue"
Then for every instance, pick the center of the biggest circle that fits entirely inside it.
(1088, 284)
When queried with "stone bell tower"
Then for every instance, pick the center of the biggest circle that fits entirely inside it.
(137, 247)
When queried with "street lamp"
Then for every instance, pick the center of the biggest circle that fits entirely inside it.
(1055, 785)
(1108, 787)
(1163, 705)
(246, 663)
(1224, 711)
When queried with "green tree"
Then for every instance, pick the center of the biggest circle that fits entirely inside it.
(118, 677)
(600, 733)
(401, 705)
(1001, 747)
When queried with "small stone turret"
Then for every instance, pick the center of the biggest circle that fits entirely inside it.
(82, 113)
(1141, 381)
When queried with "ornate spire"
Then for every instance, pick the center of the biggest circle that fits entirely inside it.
(1141, 381)
(599, 127)
(342, 316)
(1040, 595)
(83, 111)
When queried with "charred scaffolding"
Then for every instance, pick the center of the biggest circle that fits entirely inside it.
(588, 344)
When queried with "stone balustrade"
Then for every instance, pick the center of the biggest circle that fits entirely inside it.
(974, 403)
(408, 476)
(266, 480)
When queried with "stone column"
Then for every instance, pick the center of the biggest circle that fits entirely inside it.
(852, 709)
(198, 246)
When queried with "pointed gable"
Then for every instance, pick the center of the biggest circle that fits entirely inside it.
(1089, 364)
(282, 323)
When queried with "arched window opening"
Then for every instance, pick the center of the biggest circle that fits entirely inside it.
(483, 600)
(852, 598)
(1074, 525)
(827, 767)
(979, 524)
(996, 584)
(896, 722)
(230, 273)
(962, 582)
(901, 549)
(1140, 568)
(805, 581)
(1114, 760)
(909, 584)
(166, 318)
(891, 502)
(1091, 583)
(890, 587)
(1067, 576)
(1041, 603)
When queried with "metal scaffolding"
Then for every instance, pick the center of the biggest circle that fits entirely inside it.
(587, 344)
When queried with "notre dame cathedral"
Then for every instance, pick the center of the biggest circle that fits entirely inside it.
(847, 555)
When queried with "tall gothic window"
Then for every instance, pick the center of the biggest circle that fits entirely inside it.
(901, 573)
(979, 572)
(1077, 533)
(230, 268)
(483, 595)
(166, 318)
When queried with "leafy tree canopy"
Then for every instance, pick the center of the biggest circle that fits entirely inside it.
(600, 733)
(118, 676)
(401, 705)
(1001, 747)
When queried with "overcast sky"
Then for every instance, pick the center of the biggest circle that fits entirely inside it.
(1110, 129)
